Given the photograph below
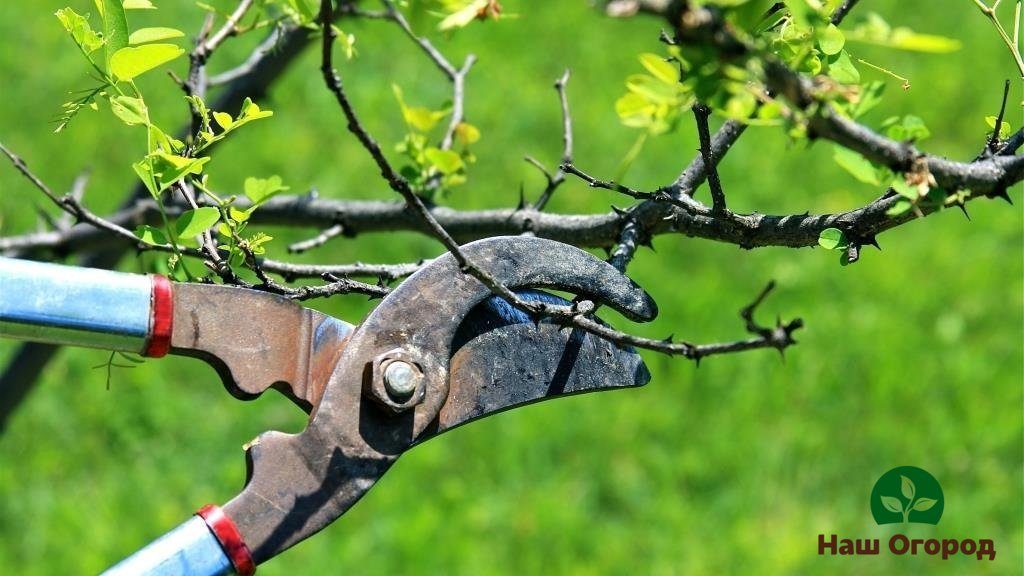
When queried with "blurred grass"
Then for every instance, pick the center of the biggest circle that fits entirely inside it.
(911, 356)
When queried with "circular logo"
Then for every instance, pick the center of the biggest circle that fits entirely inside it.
(907, 494)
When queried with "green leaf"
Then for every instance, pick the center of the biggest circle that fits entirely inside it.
(907, 487)
(257, 241)
(831, 39)
(923, 504)
(446, 161)
(908, 127)
(252, 111)
(304, 10)
(875, 30)
(347, 41)
(422, 119)
(860, 167)
(162, 141)
(652, 89)
(461, 17)
(239, 216)
(900, 207)
(150, 235)
(907, 39)
(170, 168)
(466, 133)
(127, 63)
(223, 120)
(870, 97)
(841, 68)
(81, 32)
(115, 28)
(740, 106)
(417, 117)
(144, 170)
(147, 35)
(634, 110)
(892, 504)
(659, 68)
(906, 190)
(131, 111)
(1004, 127)
(200, 110)
(138, 5)
(259, 190)
(194, 222)
(801, 11)
(831, 238)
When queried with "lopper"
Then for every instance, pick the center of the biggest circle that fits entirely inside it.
(438, 352)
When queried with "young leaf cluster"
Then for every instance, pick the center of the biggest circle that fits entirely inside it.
(168, 163)
(430, 168)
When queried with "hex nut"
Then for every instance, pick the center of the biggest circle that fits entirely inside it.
(400, 379)
(396, 381)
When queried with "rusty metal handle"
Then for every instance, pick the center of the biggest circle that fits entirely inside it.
(84, 307)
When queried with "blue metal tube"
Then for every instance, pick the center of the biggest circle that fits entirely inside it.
(76, 306)
(191, 549)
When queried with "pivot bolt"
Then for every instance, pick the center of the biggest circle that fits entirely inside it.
(401, 379)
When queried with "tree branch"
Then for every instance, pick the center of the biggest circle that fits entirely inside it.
(567, 145)
(840, 14)
(701, 113)
(318, 240)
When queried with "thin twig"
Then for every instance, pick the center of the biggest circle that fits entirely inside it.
(456, 76)
(435, 55)
(778, 337)
(317, 241)
(395, 181)
(659, 195)
(229, 29)
(1011, 43)
(215, 262)
(567, 146)
(701, 113)
(68, 202)
(840, 14)
(993, 141)
(387, 272)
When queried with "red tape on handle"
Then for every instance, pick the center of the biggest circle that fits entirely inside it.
(229, 537)
(161, 318)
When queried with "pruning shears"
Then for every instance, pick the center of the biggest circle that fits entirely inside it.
(438, 352)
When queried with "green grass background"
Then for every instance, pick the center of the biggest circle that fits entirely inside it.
(913, 356)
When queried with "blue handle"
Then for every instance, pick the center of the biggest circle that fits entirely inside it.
(191, 549)
(76, 306)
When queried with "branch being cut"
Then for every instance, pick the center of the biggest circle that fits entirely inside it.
(778, 337)
(573, 315)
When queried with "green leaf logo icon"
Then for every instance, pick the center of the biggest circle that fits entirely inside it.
(892, 504)
(907, 487)
(905, 495)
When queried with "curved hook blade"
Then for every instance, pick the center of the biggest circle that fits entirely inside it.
(300, 483)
